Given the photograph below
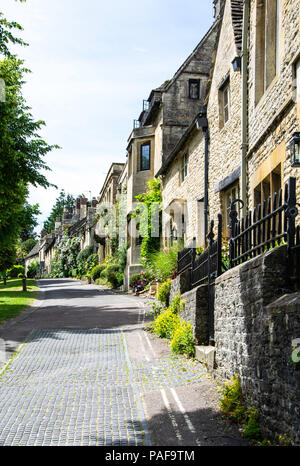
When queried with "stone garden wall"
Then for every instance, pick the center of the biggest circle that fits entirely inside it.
(255, 324)
(257, 318)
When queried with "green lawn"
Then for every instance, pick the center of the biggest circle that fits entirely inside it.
(13, 300)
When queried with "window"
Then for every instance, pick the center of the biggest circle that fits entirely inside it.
(297, 81)
(224, 103)
(266, 56)
(184, 167)
(145, 156)
(194, 89)
(268, 186)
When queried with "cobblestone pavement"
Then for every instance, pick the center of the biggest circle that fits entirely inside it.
(101, 386)
(79, 387)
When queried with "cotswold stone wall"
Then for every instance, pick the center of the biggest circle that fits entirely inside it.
(196, 305)
(255, 323)
(196, 312)
(180, 284)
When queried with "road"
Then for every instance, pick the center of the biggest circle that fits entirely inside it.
(84, 372)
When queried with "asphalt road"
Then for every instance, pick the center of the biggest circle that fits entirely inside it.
(86, 373)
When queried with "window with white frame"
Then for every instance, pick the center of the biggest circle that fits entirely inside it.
(224, 102)
(266, 45)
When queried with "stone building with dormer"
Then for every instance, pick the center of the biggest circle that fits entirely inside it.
(200, 177)
(166, 115)
(273, 97)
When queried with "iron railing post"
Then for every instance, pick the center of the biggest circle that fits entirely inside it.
(291, 213)
(219, 246)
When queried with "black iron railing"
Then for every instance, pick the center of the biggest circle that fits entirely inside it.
(184, 259)
(207, 265)
(268, 225)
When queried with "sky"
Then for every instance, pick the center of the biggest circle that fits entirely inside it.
(93, 62)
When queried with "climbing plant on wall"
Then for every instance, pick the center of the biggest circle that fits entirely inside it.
(149, 206)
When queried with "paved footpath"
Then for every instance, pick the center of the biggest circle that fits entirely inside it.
(85, 373)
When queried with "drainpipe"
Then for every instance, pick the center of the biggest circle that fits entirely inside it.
(244, 115)
(206, 140)
(202, 122)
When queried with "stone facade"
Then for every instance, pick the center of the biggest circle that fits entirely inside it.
(196, 312)
(224, 139)
(224, 136)
(273, 111)
(166, 115)
(107, 198)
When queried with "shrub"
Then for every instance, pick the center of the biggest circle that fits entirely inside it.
(252, 429)
(81, 259)
(183, 341)
(163, 264)
(163, 292)
(32, 269)
(85, 253)
(112, 275)
(230, 402)
(139, 281)
(96, 271)
(91, 262)
(177, 304)
(15, 271)
(166, 323)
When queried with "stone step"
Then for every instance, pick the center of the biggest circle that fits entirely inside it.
(206, 355)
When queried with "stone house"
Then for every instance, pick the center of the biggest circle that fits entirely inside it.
(32, 256)
(107, 200)
(273, 91)
(166, 115)
(253, 307)
(82, 222)
(200, 176)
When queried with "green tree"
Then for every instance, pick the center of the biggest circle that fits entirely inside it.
(21, 151)
(28, 221)
(63, 200)
(21, 148)
(6, 35)
(23, 250)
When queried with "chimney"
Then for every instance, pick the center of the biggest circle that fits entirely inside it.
(57, 223)
(217, 7)
(94, 202)
(83, 207)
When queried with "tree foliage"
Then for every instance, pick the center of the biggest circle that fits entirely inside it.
(6, 35)
(28, 221)
(63, 200)
(21, 149)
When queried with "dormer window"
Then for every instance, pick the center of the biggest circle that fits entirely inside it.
(194, 89)
(145, 156)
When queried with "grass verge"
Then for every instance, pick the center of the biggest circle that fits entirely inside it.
(13, 300)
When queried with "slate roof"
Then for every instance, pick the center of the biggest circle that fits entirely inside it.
(34, 251)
